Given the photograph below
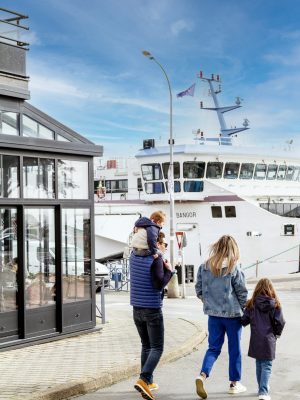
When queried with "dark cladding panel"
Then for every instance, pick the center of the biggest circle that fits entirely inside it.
(12, 60)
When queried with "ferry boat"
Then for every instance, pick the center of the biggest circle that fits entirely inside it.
(220, 187)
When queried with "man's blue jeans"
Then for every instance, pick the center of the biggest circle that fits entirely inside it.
(150, 325)
(217, 327)
(263, 373)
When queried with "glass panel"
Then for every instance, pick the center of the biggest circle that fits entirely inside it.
(246, 171)
(45, 133)
(46, 179)
(193, 169)
(61, 138)
(216, 211)
(73, 179)
(260, 171)
(39, 257)
(214, 170)
(151, 172)
(31, 177)
(289, 173)
(176, 167)
(176, 186)
(272, 171)
(30, 127)
(281, 172)
(157, 187)
(76, 255)
(9, 177)
(296, 175)
(10, 123)
(8, 260)
(193, 186)
(231, 170)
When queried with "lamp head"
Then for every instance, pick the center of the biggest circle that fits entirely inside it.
(148, 54)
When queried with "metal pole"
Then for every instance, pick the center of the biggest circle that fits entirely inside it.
(171, 170)
(102, 301)
(183, 276)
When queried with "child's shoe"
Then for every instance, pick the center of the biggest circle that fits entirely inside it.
(236, 388)
(264, 397)
(201, 392)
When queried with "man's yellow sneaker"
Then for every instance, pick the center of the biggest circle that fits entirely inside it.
(142, 387)
(153, 386)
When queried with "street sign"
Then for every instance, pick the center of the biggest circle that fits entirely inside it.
(181, 239)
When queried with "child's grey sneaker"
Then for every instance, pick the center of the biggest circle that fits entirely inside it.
(201, 392)
(236, 388)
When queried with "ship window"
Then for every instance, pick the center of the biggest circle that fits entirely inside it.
(61, 138)
(151, 172)
(193, 186)
(176, 167)
(155, 188)
(230, 212)
(139, 185)
(32, 128)
(272, 171)
(246, 171)
(289, 173)
(214, 170)
(193, 169)
(9, 123)
(281, 172)
(116, 186)
(176, 186)
(231, 170)
(296, 176)
(216, 211)
(260, 171)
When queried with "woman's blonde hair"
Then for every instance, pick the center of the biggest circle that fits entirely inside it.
(264, 287)
(224, 250)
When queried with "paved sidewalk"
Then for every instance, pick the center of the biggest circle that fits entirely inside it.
(84, 363)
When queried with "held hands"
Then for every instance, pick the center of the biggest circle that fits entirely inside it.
(155, 256)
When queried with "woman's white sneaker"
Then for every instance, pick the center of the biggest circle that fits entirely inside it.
(264, 397)
(236, 388)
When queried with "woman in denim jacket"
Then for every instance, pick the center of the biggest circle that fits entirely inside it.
(222, 289)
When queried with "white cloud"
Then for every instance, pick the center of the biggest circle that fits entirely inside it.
(291, 58)
(181, 25)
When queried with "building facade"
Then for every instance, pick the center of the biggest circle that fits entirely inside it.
(46, 214)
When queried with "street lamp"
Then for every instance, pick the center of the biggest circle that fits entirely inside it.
(171, 168)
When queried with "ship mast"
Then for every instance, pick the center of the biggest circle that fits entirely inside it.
(224, 131)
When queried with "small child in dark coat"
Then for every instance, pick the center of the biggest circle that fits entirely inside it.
(264, 314)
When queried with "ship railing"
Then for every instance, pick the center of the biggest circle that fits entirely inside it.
(291, 256)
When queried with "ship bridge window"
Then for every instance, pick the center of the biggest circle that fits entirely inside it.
(116, 186)
(281, 172)
(193, 169)
(155, 188)
(9, 123)
(231, 170)
(260, 171)
(230, 211)
(32, 128)
(177, 187)
(176, 171)
(214, 170)
(272, 172)
(193, 186)
(296, 176)
(289, 173)
(246, 171)
(216, 211)
(151, 172)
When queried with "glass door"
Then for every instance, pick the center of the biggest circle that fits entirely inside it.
(39, 264)
(8, 273)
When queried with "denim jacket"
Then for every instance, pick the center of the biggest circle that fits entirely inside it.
(222, 296)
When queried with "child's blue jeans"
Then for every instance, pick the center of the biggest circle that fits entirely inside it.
(217, 327)
(263, 373)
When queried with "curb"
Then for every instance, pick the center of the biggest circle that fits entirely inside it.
(87, 385)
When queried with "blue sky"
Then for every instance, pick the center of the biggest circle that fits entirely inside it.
(87, 69)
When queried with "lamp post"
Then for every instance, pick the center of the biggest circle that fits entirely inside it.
(171, 168)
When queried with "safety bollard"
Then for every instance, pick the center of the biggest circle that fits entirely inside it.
(173, 288)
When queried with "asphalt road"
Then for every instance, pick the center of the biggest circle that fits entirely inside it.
(177, 379)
